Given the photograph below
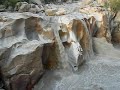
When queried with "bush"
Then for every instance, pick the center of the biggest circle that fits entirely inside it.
(114, 5)
(12, 3)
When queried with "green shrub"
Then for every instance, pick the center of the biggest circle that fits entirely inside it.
(114, 5)
(12, 3)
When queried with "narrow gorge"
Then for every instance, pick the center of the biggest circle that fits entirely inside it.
(68, 46)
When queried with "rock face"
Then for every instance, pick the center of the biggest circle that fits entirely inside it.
(25, 7)
(116, 30)
(26, 42)
(18, 63)
(61, 38)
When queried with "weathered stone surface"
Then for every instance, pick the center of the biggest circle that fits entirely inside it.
(21, 46)
(116, 35)
(25, 7)
(61, 38)
(98, 22)
(117, 18)
(24, 38)
(116, 30)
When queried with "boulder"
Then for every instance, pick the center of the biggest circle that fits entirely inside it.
(61, 39)
(55, 11)
(51, 12)
(36, 1)
(61, 11)
(19, 4)
(25, 7)
(21, 50)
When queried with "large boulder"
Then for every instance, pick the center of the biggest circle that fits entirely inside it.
(18, 55)
(26, 42)
(61, 39)
(21, 46)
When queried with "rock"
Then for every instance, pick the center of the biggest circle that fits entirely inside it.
(33, 10)
(117, 18)
(97, 22)
(36, 1)
(61, 11)
(51, 12)
(2, 8)
(69, 1)
(61, 39)
(23, 52)
(102, 2)
(116, 30)
(86, 2)
(19, 4)
(76, 40)
(116, 35)
(25, 7)
(20, 82)
(74, 52)
(55, 11)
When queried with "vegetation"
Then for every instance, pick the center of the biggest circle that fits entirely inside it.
(114, 5)
(12, 3)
